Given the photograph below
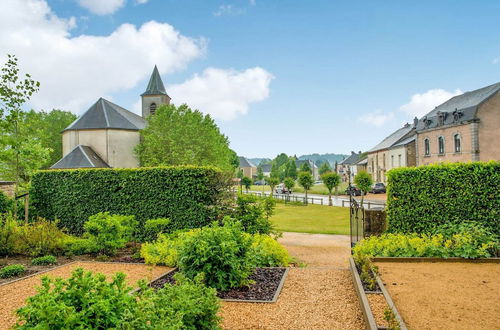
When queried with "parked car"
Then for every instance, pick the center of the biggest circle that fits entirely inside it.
(282, 189)
(318, 182)
(378, 188)
(259, 183)
(353, 190)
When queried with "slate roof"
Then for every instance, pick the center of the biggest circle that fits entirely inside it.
(363, 161)
(80, 157)
(245, 162)
(155, 85)
(465, 105)
(105, 114)
(352, 159)
(405, 141)
(394, 138)
(299, 162)
(266, 167)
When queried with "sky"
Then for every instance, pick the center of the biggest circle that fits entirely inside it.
(289, 76)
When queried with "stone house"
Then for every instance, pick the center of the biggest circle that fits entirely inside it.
(314, 168)
(349, 164)
(464, 128)
(248, 168)
(107, 134)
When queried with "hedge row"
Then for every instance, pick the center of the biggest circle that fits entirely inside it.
(423, 198)
(188, 195)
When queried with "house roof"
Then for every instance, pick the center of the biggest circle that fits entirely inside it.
(465, 104)
(405, 141)
(394, 138)
(155, 85)
(80, 157)
(105, 114)
(352, 159)
(363, 161)
(299, 162)
(266, 167)
(245, 162)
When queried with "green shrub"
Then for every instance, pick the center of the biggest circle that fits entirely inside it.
(109, 232)
(165, 250)
(222, 254)
(190, 196)
(154, 227)
(6, 203)
(89, 301)
(9, 234)
(75, 246)
(11, 271)
(267, 252)
(41, 237)
(45, 260)
(254, 213)
(424, 198)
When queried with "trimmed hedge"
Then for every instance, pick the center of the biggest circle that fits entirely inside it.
(188, 195)
(423, 198)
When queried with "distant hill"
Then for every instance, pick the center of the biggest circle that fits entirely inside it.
(321, 158)
(257, 161)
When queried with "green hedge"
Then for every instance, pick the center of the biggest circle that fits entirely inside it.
(423, 198)
(188, 195)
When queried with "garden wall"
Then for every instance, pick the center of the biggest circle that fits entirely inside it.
(188, 195)
(422, 198)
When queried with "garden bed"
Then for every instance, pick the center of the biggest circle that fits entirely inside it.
(266, 287)
(443, 295)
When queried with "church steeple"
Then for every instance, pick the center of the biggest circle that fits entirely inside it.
(155, 94)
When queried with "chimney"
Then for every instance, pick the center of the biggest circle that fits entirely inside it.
(353, 153)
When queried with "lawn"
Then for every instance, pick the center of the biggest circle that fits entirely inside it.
(318, 189)
(315, 219)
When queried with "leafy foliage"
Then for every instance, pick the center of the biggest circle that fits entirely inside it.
(247, 182)
(253, 213)
(424, 198)
(182, 136)
(364, 182)
(305, 181)
(331, 180)
(222, 254)
(267, 252)
(109, 232)
(190, 196)
(12, 270)
(75, 246)
(165, 250)
(44, 261)
(154, 227)
(324, 168)
(272, 182)
(9, 234)
(6, 203)
(305, 167)
(289, 183)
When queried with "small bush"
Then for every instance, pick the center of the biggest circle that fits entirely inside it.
(165, 250)
(75, 246)
(9, 234)
(109, 232)
(44, 261)
(41, 237)
(11, 271)
(267, 252)
(254, 213)
(89, 301)
(6, 203)
(222, 254)
(154, 227)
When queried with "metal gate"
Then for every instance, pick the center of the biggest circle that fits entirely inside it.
(356, 218)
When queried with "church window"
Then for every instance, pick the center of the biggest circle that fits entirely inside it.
(152, 109)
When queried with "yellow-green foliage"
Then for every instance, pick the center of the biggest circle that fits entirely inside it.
(165, 250)
(268, 252)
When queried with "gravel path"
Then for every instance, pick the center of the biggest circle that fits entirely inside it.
(13, 296)
(319, 296)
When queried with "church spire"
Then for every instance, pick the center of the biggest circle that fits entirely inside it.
(155, 85)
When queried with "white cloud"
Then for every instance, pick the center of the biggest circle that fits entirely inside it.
(228, 10)
(420, 104)
(223, 94)
(75, 71)
(102, 7)
(376, 118)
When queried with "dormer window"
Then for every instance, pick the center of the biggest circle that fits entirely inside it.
(427, 122)
(441, 117)
(152, 109)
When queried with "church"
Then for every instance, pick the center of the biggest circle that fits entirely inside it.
(106, 134)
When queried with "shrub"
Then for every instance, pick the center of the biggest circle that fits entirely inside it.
(222, 254)
(6, 203)
(267, 252)
(254, 213)
(41, 237)
(165, 250)
(89, 301)
(423, 198)
(11, 271)
(109, 232)
(9, 234)
(154, 227)
(45, 260)
(190, 196)
(75, 246)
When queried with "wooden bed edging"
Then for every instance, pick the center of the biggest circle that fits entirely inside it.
(433, 259)
(391, 304)
(363, 300)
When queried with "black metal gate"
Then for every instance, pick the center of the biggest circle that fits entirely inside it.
(356, 218)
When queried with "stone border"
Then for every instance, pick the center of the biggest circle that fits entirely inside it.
(38, 273)
(363, 300)
(432, 259)
(154, 279)
(391, 304)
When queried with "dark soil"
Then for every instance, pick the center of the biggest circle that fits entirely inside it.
(365, 285)
(265, 283)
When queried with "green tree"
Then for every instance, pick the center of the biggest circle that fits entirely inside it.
(247, 182)
(20, 153)
(331, 180)
(240, 175)
(272, 182)
(324, 168)
(305, 167)
(363, 180)
(289, 183)
(291, 169)
(306, 181)
(182, 136)
(260, 176)
(279, 166)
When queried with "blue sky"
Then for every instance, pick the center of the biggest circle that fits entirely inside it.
(303, 76)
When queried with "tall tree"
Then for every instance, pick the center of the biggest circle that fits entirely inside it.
(260, 176)
(272, 182)
(20, 153)
(306, 167)
(291, 169)
(306, 181)
(182, 136)
(331, 180)
(289, 183)
(247, 182)
(324, 168)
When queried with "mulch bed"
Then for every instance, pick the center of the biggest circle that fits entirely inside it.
(266, 284)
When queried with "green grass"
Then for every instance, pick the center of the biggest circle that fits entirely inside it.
(316, 219)
(318, 189)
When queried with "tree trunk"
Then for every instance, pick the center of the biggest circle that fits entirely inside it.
(330, 198)
(307, 201)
